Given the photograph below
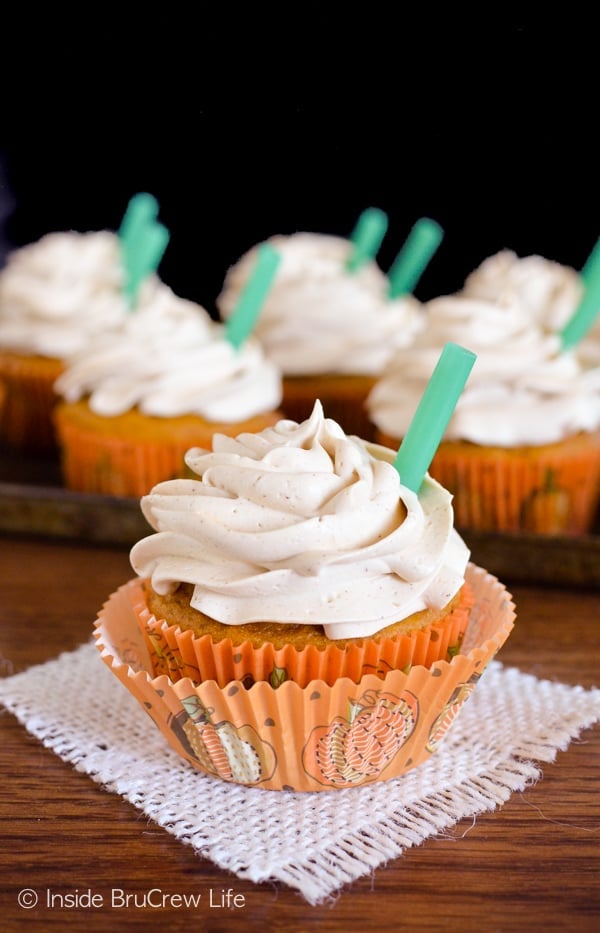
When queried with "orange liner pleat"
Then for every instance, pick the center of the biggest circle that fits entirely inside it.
(179, 654)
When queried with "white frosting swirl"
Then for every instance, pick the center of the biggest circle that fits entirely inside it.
(318, 317)
(302, 524)
(169, 358)
(61, 292)
(521, 391)
(548, 291)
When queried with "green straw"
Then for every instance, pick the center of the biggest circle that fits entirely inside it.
(143, 257)
(241, 323)
(433, 414)
(366, 237)
(141, 211)
(591, 268)
(143, 242)
(587, 311)
(412, 260)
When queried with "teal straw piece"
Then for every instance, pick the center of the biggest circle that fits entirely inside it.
(366, 237)
(588, 309)
(580, 323)
(141, 211)
(241, 323)
(591, 267)
(143, 256)
(433, 414)
(414, 257)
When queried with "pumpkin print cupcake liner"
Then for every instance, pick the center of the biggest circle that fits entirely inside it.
(182, 654)
(549, 490)
(128, 454)
(314, 738)
(26, 418)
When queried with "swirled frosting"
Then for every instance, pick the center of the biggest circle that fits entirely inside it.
(302, 524)
(523, 391)
(169, 358)
(61, 292)
(547, 290)
(320, 318)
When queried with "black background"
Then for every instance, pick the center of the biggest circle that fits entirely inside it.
(245, 123)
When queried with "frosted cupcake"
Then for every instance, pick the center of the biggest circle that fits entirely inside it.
(522, 449)
(273, 532)
(330, 327)
(58, 295)
(132, 403)
(301, 620)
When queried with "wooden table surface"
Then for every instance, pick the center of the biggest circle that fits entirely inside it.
(533, 862)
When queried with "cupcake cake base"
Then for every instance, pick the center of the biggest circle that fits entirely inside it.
(128, 454)
(202, 649)
(342, 396)
(26, 421)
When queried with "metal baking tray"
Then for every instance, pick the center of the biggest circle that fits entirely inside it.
(34, 502)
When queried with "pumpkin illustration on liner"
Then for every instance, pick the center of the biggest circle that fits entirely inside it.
(452, 708)
(355, 750)
(233, 753)
(548, 507)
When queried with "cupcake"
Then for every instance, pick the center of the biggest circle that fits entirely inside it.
(300, 619)
(522, 449)
(57, 297)
(329, 328)
(133, 402)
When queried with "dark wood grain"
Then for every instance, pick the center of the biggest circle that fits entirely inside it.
(533, 862)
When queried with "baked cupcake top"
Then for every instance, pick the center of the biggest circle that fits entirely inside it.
(61, 292)
(302, 524)
(524, 390)
(169, 358)
(320, 318)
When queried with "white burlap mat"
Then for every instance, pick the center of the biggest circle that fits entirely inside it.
(314, 842)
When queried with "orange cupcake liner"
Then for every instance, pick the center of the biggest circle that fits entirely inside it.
(116, 466)
(128, 456)
(26, 421)
(314, 738)
(180, 654)
(553, 489)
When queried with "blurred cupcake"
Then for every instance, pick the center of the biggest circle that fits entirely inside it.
(522, 449)
(332, 318)
(58, 295)
(131, 404)
(301, 620)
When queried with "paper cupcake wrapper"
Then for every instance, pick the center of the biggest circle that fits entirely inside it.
(315, 738)
(26, 415)
(129, 463)
(554, 489)
(114, 466)
(180, 654)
